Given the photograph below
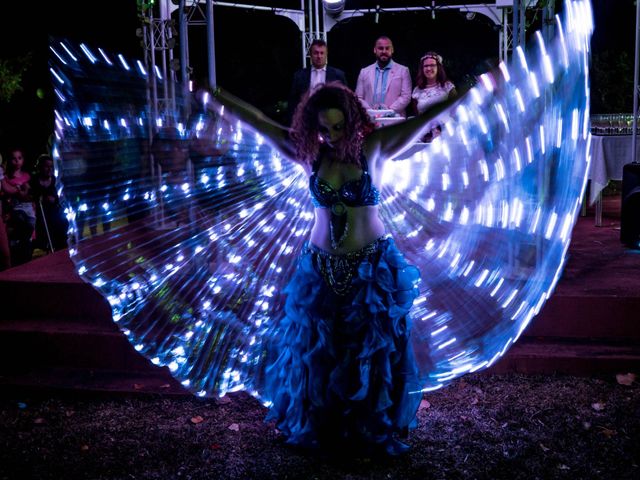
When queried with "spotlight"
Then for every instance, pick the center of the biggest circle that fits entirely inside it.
(333, 7)
(470, 15)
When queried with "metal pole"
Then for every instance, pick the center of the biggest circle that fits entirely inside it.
(548, 25)
(164, 24)
(172, 72)
(304, 40)
(308, 34)
(324, 23)
(154, 82)
(165, 74)
(183, 33)
(46, 226)
(634, 133)
(515, 29)
(523, 22)
(147, 36)
(184, 43)
(503, 36)
(211, 45)
(317, 17)
(310, 18)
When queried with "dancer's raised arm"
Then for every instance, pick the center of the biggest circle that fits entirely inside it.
(275, 134)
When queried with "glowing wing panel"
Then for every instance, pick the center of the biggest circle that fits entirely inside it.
(487, 209)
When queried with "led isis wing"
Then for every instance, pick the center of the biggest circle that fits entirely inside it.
(486, 210)
(186, 222)
(189, 224)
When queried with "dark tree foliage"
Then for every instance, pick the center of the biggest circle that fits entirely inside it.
(611, 82)
(11, 74)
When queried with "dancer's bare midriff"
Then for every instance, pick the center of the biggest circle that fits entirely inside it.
(364, 227)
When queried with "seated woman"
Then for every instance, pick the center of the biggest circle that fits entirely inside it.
(432, 86)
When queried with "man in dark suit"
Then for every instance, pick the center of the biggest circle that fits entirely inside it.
(318, 73)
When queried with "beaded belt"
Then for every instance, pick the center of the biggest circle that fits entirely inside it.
(338, 269)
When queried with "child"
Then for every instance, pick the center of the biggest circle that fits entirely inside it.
(19, 207)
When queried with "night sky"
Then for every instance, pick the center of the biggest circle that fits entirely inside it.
(257, 52)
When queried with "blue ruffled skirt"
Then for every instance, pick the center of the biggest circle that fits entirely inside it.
(343, 371)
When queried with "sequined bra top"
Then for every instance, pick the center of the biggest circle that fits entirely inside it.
(354, 193)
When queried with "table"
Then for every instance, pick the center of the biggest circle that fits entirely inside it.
(609, 154)
(382, 118)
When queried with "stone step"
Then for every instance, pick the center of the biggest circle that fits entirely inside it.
(562, 316)
(60, 342)
(577, 316)
(528, 356)
(75, 381)
(571, 316)
(56, 332)
(71, 300)
(49, 341)
(536, 355)
(49, 286)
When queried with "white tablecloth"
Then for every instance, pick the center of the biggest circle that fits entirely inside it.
(609, 154)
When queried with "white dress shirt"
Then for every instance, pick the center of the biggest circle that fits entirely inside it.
(318, 77)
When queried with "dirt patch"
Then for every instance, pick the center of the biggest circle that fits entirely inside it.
(479, 427)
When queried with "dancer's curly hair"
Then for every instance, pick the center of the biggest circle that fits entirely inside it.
(305, 126)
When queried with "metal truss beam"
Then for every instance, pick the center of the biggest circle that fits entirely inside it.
(313, 22)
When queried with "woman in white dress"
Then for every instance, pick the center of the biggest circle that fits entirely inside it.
(432, 87)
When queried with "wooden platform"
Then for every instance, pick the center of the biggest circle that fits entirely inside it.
(62, 336)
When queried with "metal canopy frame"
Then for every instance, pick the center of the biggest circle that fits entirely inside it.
(161, 34)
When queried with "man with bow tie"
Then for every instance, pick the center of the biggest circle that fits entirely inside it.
(318, 73)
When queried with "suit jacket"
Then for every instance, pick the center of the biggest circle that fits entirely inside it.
(302, 80)
(398, 93)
